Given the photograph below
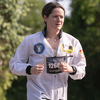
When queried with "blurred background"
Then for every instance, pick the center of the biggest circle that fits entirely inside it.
(19, 18)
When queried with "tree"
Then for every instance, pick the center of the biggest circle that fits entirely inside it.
(12, 33)
(33, 20)
(84, 24)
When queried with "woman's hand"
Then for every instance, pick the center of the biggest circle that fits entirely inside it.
(64, 67)
(37, 69)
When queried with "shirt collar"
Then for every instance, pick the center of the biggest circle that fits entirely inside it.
(45, 29)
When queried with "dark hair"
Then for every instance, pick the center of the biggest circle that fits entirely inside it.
(48, 8)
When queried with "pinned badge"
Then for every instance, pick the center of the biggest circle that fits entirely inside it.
(64, 48)
(13, 54)
(67, 49)
(39, 48)
(82, 54)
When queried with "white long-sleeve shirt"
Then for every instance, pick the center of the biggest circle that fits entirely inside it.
(35, 49)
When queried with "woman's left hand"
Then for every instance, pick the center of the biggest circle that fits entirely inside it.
(64, 67)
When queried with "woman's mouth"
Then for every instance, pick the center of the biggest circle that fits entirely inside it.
(58, 24)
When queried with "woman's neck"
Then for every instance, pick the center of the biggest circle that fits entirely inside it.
(53, 34)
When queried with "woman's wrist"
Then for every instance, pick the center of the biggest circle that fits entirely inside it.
(74, 70)
(28, 70)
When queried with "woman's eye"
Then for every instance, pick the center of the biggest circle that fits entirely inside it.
(58, 17)
(55, 16)
(61, 16)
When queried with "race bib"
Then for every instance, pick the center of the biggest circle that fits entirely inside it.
(52, 64)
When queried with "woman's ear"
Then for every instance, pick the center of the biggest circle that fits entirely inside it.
(45, 18)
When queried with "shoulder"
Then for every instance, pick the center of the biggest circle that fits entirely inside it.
(33, 36)
(69, 37)
(29, 39)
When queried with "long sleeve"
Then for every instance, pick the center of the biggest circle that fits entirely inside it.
(18, 63)
(79, 62)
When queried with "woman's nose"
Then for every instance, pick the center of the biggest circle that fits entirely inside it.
(59, 19)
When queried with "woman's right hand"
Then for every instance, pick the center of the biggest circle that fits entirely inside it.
(37, 69)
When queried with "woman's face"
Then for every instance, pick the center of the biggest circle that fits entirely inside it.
(55, 20)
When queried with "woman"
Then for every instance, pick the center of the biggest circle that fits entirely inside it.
(52, 56)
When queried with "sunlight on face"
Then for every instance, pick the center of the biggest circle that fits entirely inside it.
(56, 19)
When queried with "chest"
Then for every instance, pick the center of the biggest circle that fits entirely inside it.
(53, 44)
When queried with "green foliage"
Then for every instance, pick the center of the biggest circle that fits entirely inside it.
(18, 18)
(18, 90)
(12, 33)
(84, 24)
(34, 18)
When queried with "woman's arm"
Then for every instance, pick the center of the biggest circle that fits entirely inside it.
(18, 63)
